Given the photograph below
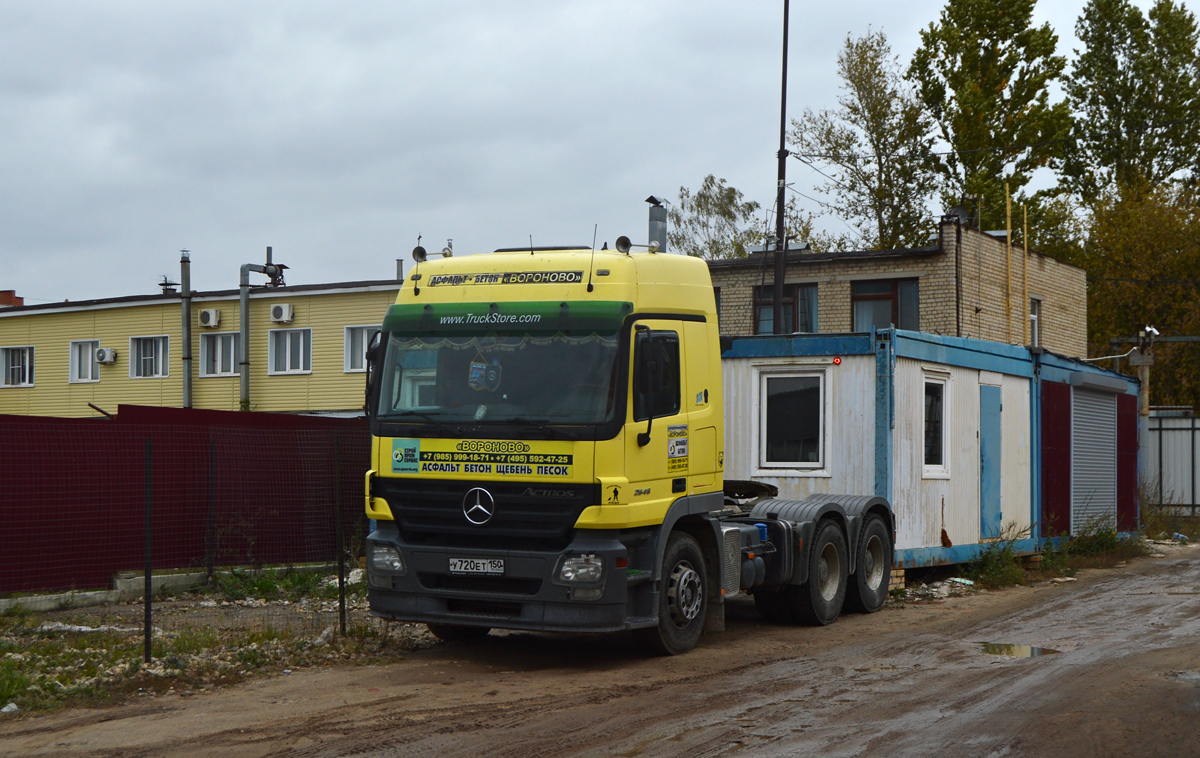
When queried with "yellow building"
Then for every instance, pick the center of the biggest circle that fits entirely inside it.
(306, 349)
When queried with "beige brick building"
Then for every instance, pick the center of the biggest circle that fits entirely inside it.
(959, 285)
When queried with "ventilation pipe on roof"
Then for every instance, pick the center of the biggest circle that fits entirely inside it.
(275, 272)
(185, 282)
(658, 223)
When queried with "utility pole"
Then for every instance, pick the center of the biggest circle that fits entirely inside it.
(780, 225)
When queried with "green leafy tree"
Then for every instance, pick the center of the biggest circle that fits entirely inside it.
(983, 72)
(875, 146)
(714, 222)
(1135, 90)
(1142, 256)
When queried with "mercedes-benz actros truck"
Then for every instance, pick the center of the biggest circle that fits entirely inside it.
(548, 445)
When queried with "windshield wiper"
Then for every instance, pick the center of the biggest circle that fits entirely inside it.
(536, 424)
(431, 420)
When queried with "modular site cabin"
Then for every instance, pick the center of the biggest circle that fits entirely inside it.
(970, 441)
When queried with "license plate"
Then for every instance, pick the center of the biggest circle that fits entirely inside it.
(477, 566)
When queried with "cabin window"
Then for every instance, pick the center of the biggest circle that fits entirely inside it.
(882, 303)
(358, 339)
(148, 357)
(936, 461)
(84, 366)
(219, 354)
(17, 365)
(291, 351)
(792, 421)
(656, 388)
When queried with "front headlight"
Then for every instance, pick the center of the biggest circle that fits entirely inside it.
(387, 558)
(581, 569)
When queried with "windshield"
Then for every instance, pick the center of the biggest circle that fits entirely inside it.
(518, 378)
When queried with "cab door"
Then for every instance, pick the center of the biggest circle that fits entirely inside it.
(656, 429)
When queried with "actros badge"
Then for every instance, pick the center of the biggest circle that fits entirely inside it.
(478, 506)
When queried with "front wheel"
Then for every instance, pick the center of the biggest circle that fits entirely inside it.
(682, 598)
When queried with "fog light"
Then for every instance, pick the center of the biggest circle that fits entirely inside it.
(582, 568)
(387, 558)
(586, 593)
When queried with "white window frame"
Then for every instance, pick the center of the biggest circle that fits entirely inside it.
(934, 376)
(162, 361)
(30, 364)
(413, 381)
(206, 340)
(368, 330)
(93, 364)
(272, 337)
(822, 466)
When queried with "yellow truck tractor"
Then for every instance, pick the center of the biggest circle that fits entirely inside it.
(548, 441)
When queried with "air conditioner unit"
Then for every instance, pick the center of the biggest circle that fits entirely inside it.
(106, 355)
(210, 318)
(282, 313)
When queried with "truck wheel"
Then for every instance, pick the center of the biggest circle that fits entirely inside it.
(682, 598)
(456, 633)
(868, 588)
(819, 601)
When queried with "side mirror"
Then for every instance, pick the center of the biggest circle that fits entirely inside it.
(376, 350)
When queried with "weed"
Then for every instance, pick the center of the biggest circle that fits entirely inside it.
(998, 565)
(17, 611)
(193, 641)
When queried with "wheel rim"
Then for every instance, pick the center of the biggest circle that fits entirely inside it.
(829, 572)
(685, 594)
(873, 563)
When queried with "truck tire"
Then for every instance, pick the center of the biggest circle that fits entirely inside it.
(820, 599)
(682, 598)
(868, 588)
(456, 633)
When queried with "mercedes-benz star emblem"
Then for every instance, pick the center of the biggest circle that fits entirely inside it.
(478, 506)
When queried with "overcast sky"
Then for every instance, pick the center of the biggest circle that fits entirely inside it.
(337, 132)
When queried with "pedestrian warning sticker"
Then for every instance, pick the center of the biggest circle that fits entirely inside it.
(677, 448)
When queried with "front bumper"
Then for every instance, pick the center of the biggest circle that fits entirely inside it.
(528, 595)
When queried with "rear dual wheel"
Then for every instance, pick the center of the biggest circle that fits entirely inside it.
(818, 601)
(868, 588)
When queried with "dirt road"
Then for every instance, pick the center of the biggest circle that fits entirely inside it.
(905, 681)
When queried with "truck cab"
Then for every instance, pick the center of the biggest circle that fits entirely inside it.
(547, 451)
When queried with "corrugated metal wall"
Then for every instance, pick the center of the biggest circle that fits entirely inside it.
(850, 440)
(1093, 459)
(1171, 460)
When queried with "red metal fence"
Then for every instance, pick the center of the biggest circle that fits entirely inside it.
(225, 489)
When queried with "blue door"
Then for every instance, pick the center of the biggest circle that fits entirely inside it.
(990, 407)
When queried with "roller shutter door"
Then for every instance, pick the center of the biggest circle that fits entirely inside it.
(1093, 459)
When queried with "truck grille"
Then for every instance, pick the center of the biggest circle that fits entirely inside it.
(527, 516)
